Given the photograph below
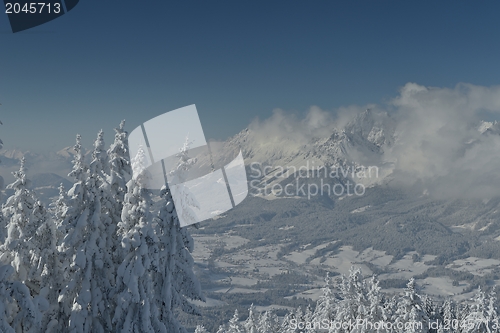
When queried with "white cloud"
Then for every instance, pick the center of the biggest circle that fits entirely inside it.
(437, 141)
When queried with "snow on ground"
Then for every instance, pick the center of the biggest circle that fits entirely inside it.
(476, 266)
(442, 286)
(360, 210)
(273, 307)
(246, 266)
(241, 281)
(405, 268)
(313, 294)
(233, 241)
(236, 290)
(209, 302)
(300, 257)
(287, 227)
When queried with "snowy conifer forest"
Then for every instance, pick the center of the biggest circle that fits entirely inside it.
(101, 258)
(98, 259)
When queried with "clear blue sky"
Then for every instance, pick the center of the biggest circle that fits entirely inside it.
(236, 60)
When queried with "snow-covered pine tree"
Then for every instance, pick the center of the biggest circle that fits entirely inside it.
(268, 322)
(200, 329)
(491, 311)
(175, 278)
(19, 312)
(100, 157)
(376, 310)
(136, 309)
(353, 305)
(298, 317)
(221, 329)
(447, 312)
(462, 311)
(411, 312)
(47, 267)
(120, 170)
(326, 306)
(23, 221)
(58, 209)
(478, 318)
(391, 308)
(104, 237)
(252, 321)
(234, 325)
(87, 261)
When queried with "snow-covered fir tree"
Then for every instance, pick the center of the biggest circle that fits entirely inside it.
(48, 268)
(234, 324)
(200, 329)
(87, 262)
(251, 323)
(326, 305)
(24, 216)
(175, 278)
(120, 170)
(137, 309)
(411, 312)
(19, 312)
(268, 322)
(483, 315)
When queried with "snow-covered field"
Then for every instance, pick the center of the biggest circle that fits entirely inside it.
(476, 266)
(247, 266)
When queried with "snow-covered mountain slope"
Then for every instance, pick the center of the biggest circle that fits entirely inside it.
(275, 159)
(36, 163)
(373, 139)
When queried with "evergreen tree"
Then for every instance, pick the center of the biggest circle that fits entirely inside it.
(251, 322)
(234, 326)
(353, 305)
(86, 253)
(200, 329)
(175, 278)
(411, 313)
(137, 309)
(376, 311)
(462, 313)
(482, 315)
(19, 312)
(24, 218)
(268, 322)
(285, 324)
(120, 170)
(491, 311)
(48, 268)
(326, 306)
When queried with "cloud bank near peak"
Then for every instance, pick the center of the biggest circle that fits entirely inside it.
(436, 141)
